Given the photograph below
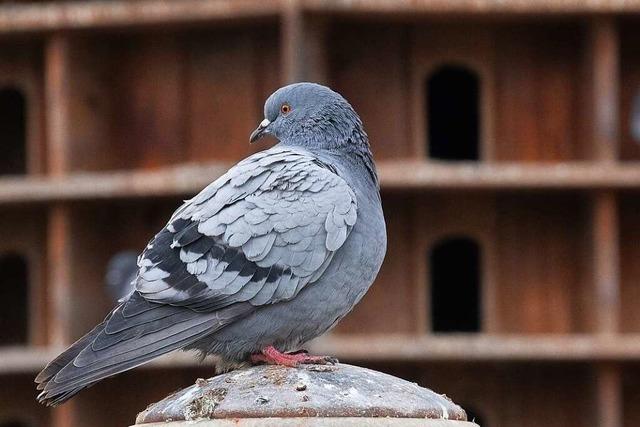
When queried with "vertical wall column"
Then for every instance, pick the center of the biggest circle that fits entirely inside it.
(607, 304)
(606, 262)
(604, 53)
(604, 48)
(609, 396)
(58, 122)
(303, 43)
(291, 43)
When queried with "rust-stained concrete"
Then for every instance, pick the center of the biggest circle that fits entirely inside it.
(327, 391)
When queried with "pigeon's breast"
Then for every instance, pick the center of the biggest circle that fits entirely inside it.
(320, 305)
(351, 273)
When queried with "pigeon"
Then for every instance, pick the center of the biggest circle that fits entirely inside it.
(267, 257)
(634, 118)
(121, 274)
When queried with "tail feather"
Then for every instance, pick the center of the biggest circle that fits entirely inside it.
(74, 372)
(72, 378)
(58, 391)
(67, 356)
(107, 351)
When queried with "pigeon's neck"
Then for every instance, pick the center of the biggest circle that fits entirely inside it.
(344, 140)
(361, 153)
(353, 153)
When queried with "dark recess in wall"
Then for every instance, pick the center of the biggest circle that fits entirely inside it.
(13, 132)
(453, 114)
(455, 286)
(14, 292)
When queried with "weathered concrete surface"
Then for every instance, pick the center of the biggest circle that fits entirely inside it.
(344, 393)
(317, 422)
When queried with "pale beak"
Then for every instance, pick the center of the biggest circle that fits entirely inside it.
(260, 131)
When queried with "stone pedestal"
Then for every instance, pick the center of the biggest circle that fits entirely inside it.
(311, 395)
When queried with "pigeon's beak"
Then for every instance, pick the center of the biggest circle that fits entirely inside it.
(260, 131)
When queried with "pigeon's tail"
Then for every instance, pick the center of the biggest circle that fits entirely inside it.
(69, 354)
(129, 337)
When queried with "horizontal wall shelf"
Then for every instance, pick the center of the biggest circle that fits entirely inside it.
(403, 348)
(465, 348)
(170, 181)
(32, 360)
(74, 15)
(472, 7)
(507, 176)
(191, 178)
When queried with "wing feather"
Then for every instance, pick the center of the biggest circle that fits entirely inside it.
(260, 233)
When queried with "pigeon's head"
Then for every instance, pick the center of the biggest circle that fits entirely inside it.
(310, 115)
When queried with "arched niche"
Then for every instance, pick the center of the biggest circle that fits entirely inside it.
(455, 285)
(14, 294)
(13, 129)
(452, 100)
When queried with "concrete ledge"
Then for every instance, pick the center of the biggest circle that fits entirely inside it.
(311, 395)
(319, 422)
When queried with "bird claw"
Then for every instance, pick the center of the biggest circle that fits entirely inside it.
(311, 359)
(319, 360)
(271, 356)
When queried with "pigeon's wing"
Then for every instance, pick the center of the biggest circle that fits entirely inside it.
(257, 235)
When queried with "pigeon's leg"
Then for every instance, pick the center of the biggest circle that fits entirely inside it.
(272, 356)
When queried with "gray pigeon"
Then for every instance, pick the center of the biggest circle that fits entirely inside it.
(121, 274)
(270, 255)
(634, 118)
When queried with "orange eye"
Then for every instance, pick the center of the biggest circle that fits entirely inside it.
(285, 109)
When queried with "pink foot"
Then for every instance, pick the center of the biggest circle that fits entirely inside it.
(271, 356)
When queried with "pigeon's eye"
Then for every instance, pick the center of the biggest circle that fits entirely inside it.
(285, 109)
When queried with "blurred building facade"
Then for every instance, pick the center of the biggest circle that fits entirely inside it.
(509, 168)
